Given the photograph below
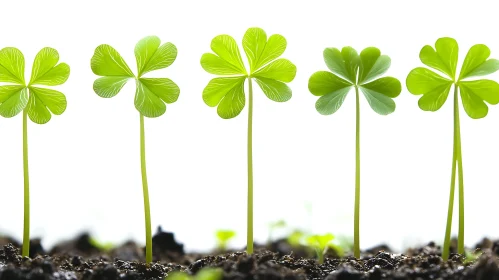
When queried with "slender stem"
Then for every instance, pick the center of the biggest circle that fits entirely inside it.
(356, 241)
(460, 237)
(320, 256)
(249, 234)
(448, 229)
(25, 251)
(147, 210)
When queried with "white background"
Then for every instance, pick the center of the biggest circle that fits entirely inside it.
(85, 168)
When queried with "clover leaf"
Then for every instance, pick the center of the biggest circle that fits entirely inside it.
(34, 100)
(475, 94)
(151, 94)
(350, 70)
(227, 92)
(435, 87)
(270, 72)
(39, 102)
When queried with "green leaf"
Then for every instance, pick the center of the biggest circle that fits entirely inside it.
(473, 64)
(226, 48)
(209, 273)
(215, 65)
(260, 51)
(45, 71)
(13, 99)
(330, 103)
(323, 82)
(274, 90)
(108, 87)
(421, 80)
(487, 90)
(372, 64)
(281, 69)
(352, 62)
(435, 98)
(178, 275)
(37, 111)
(227, 93)
(379, 102)
(473, 104)
(388, 86)
(106, 61)
(148, 103)
(164, 88)
(444, 58)
(54, 100)
(151, 56)
(335, 63)
(11, 66)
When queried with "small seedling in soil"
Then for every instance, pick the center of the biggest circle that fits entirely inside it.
(295, 238)
(207, 273)
(102, 246)
(150, 96)
(34, 101)
(320, 243)
(227, 92)
(351, 70)
(275, 226)
(223, 238)
(435, 88)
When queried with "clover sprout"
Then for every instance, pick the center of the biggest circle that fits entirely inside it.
(227, 92)
(351, 70)
(223, 238)
(321, 243)
(37, 103)
(435, 88)
(150, 96)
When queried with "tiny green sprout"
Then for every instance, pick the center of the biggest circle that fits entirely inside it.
(471, 256)
(223, 238)
(39, 103)
(351, 70)
(435, 87)
(321, 243)
(227, 92)
(151, 94)
(207, 273)
(273, 226)
(102, 246)
(295, 238)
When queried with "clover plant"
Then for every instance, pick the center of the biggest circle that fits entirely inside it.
(227, 92)
(321, 243)
(151, 94)
(351, 70)
(37, 103)
(207, 273)
(223, 238)
(435, 88)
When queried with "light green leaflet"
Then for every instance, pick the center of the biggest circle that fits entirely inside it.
(351, 70)
(40, 102)
(270, 73)
(151, 93)
(435, 87)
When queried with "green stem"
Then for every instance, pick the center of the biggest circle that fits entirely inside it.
(450, 210)
(459, 154)
(356, 241)
(249, 234)
(147, 210)
(25, 250)
(320, 256)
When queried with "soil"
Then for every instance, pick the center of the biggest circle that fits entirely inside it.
(80, 259)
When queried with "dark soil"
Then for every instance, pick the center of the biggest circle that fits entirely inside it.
(79, 259)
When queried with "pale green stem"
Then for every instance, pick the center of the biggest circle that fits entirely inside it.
(460, 237)
(147, 211)
(249, 234)
(320, 256)
(25, 251)
(356, 241)
(450, 210)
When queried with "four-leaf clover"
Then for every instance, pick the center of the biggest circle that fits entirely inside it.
(352, 70)
(435, 87)
(39, 102)
(151, 93)
(270, 73)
